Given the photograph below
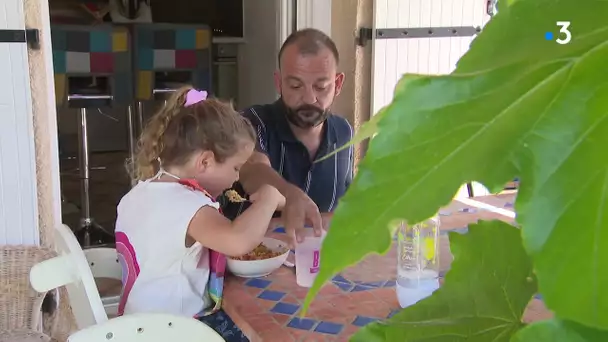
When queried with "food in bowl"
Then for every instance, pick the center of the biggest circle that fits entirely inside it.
(261, 252)
(261, 261)
(234, 196)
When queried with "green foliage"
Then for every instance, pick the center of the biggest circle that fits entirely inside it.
(517, 105)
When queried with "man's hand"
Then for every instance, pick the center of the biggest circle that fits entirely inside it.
(300, 209)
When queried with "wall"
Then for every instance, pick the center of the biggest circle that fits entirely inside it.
(258, 56)
(355, 61)
(45, 122)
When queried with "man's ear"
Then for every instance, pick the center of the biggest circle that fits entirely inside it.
(339, 83)
(277, 81)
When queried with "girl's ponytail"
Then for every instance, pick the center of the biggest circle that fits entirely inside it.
(150, 145)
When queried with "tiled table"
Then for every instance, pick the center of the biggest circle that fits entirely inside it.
(267, 309)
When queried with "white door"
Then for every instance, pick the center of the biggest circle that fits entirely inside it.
(18, 199)
(431, 56)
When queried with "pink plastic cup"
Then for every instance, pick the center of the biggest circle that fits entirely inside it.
(308, 258)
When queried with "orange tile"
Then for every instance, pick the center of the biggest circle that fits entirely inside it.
(290, 300)
(253, 291)
(277, 335)
(281, 319)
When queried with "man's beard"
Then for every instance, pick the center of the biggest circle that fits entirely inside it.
(306, 116)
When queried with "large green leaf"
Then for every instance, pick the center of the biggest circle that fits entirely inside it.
(483, 299)
(555, 330)
(517, 105)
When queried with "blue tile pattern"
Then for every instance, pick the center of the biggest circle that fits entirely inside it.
(390, 283)
(468, 210)
(361, 321)
(285, 308)
(340, 279)
(271, 295)
(359, 288)
(259, 283)
(279, 230)
(301, 323)
(329, 328)
(346, 287)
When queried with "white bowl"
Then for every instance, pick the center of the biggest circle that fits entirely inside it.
(259, 268)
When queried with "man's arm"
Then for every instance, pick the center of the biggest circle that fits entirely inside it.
(258, 171)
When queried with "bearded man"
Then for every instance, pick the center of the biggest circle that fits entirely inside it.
(297, 130)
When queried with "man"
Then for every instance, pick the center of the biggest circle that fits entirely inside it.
(299, 129)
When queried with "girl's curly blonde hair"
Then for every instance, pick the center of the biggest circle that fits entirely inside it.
(176, 132)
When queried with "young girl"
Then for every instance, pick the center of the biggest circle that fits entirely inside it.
(170, 235)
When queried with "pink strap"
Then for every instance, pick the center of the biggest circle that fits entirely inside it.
(130, 268)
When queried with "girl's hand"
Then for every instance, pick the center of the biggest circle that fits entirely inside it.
(268, 194)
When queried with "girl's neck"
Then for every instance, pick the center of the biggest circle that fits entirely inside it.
(178, 174)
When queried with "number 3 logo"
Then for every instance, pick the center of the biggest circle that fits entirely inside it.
(564, 30)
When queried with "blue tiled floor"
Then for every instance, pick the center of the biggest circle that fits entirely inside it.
(259, 283)
(301, 323)
(271, 295)
(363, 320)
(329, 328)
(285, 308)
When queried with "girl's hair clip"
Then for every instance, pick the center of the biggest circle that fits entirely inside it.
(195, 96)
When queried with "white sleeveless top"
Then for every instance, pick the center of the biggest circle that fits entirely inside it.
(172, 278)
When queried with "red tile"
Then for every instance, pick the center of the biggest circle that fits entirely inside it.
(185, 59)
(277, 335)
(262, 322)
(253, 291)
(102, 62)
(388, 296)
(290, 299)
(266, 304)
(313, 337)
(281, 319)
(344, 303)
(373, 309)
(329, 290)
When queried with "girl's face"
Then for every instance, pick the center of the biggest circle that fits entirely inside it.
(216, 177)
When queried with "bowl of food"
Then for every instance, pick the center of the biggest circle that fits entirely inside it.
(261, 261)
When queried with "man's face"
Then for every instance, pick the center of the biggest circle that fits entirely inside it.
(308, 85)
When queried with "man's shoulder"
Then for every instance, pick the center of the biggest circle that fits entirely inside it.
(259, 114)
(342, 127)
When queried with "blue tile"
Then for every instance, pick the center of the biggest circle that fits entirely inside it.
(374, 284)
(145, 59)
(329, 328)
(285, 308)
(390, 283)
(259, 283)
(279, 230)
(59, 61)
(346, 287)
(359, 288)
(442, 274)
(508, 205)
(340, 279)
(100, 41)
(301, 323)
(58, 39)
(393, 313)
(185, 39)
(468, 210)
(271, 295)
(363, 320)
(538, 296)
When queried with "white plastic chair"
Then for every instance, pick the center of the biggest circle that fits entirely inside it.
(104, 263)
(149, 328)
(71, 269)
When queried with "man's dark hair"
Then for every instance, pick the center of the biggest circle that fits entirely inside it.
(309, 41)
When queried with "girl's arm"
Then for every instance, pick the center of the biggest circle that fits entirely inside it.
(242, 235)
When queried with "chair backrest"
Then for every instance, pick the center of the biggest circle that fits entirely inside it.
(71, 269)
(20, 304)
(104, 262)
(149, 328)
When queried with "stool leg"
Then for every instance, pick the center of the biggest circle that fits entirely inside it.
(90, 232)
(132, 135)
(83, 168)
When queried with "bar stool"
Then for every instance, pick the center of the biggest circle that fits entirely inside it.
(167, 56)
(95, 53)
